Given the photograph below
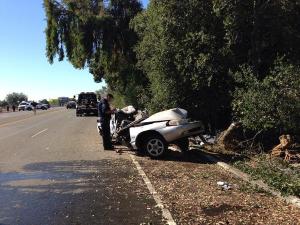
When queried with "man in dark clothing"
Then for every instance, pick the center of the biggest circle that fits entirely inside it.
(34, 104)
(104, 112)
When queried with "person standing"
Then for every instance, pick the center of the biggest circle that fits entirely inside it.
(34, 104)
(14, 108)
(104, 112)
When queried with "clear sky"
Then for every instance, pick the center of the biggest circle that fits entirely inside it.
(23, 64)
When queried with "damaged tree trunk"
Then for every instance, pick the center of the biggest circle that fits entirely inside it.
(287, 149)
(225, 139)
(285, 143)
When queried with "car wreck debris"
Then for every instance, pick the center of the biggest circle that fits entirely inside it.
(153, 134)
(287, 149)
(224, 185)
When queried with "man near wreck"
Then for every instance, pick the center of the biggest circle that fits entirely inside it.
(104, 112)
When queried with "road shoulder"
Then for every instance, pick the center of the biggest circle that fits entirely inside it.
(190, 191)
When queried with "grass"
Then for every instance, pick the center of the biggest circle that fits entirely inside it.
(250, 188)
(275, 172)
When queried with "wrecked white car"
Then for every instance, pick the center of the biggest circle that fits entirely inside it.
(155, 133)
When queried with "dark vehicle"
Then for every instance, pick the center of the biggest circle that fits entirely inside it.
(71, 105)
(86, 104)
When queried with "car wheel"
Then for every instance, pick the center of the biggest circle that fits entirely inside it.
(155, 146)
(183, 144)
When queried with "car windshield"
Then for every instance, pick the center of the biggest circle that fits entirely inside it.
(89, 97)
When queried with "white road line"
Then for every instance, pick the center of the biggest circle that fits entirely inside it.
(39, 133)
(165, 212)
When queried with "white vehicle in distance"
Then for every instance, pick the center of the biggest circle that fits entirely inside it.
(25, 106)
(41, 106)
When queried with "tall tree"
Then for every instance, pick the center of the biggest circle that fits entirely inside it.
(3, 103)
(15, 98)
(181, 51)
(96, 34)
(258, 31)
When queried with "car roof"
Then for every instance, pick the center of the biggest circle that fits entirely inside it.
(87, 93)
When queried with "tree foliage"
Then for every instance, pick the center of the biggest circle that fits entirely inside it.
(95, 34)
(258, 31)
(212, 57)
(270, 104)
(15, 98)
(54, 102)
(102, 92)
(3, 103)
(181, 51)
(44, 101)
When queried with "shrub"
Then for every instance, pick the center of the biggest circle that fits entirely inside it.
(275, 173)
(272, 103)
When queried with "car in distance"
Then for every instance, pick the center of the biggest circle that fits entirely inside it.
(71, 105)
(87, 104)
(25, 106)
(42, 106)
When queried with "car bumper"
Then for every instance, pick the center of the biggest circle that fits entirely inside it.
(87, 111)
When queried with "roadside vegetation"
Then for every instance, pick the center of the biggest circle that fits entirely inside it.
(275, 172)
(223, 61)
(13, 99)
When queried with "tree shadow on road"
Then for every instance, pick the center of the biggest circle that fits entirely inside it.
(173, 154)
(76, 192)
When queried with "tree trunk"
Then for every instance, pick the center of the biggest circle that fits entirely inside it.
(225, 138)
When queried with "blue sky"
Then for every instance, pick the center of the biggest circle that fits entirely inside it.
(23, 64)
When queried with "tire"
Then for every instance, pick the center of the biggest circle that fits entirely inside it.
(155, 146)
(183, 144)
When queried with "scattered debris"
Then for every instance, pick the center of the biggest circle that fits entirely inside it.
(196, 198)
(120, 151)
(224, 185)
(203, 139)
(287, 149)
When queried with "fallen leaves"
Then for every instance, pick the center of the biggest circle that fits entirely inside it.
(190, 191)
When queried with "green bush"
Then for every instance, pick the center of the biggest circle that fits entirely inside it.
(270, 104)
(180, 51)
(275, 173)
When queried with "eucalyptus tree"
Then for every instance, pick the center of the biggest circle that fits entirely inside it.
(96, 34)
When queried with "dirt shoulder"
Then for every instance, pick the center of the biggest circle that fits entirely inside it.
(188, 187)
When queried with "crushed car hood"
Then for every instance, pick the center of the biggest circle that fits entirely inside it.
(171, 114)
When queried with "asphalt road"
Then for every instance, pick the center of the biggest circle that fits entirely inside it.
(53, 170)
